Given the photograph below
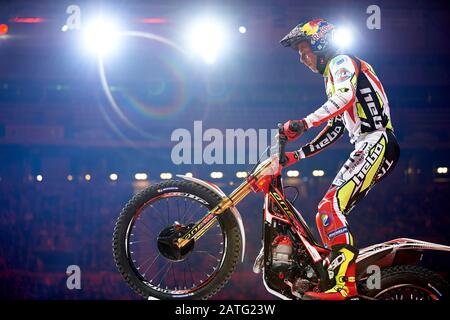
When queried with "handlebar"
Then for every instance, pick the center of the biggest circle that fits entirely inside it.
(282, 139)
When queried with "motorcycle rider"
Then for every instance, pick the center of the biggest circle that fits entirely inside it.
(358, 103)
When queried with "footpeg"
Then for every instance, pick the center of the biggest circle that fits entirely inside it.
(259, 262)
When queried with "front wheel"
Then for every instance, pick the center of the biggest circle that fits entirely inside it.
(409, 282)
(152, 266)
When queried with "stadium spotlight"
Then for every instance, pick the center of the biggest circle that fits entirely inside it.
(343, 37)
(39, 178)
(189, 174)
(216, 175)
(442, 170)
(242, 29)
(101, 36)
(69, 177)
(165, 176)
(207, 38)
(318, 173)
(293, 173)
(113, 177)
(140, 176)
(87, 177)
(241, 174)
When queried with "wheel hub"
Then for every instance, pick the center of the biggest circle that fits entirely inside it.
(167, 240)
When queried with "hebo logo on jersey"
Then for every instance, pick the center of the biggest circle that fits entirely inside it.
(368, 98)
(330, 137)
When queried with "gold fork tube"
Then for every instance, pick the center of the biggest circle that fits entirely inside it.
(211, 217)
(202, 227)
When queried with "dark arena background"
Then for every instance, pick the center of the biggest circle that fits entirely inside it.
(87, 119)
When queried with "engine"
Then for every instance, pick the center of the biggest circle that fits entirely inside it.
(290, 268)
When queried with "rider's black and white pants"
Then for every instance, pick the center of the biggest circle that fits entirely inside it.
(374, 157)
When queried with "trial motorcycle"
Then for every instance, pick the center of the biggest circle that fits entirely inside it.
(182, 239)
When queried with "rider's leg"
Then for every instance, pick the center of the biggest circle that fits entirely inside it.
(364, 168)
(335, 234)
(331, 222)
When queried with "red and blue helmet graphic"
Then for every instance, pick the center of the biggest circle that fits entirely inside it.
(318, 33)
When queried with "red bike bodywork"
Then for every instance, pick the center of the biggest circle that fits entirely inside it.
(394, 252)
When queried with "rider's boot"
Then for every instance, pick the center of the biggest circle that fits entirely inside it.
(343, 269)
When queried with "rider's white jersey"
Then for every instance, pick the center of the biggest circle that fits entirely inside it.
(353, 90)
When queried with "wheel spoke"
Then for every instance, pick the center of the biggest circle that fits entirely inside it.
(207, 253)
(165, 274)
(186, 211)
(184, 275)
(174, 280)
(160, 215)
(178, 209)
(151, 264)
(193, 215)
(168, 211)
(190, 270)
(148, 228)
(146, 261)
(146, 232)
(133, 242)
(159, 272)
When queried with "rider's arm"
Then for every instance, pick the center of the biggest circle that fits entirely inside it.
(343, 72)
(329, 135)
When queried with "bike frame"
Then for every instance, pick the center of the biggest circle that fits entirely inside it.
(291, 216)
(267, 179)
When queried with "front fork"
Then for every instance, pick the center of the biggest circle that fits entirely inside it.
(211, 218)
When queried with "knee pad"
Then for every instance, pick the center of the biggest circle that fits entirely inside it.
(332, 225)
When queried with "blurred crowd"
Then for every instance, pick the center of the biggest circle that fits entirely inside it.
(46, 227)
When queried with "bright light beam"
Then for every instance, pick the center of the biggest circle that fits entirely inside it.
(343, 37)
(207, 39)
(101, 36)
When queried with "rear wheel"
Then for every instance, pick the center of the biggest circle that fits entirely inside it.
(143, 243)
(409, 282)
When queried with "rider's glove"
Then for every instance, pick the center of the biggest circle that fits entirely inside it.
(294, 128)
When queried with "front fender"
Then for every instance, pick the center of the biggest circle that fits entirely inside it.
(234, 210)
